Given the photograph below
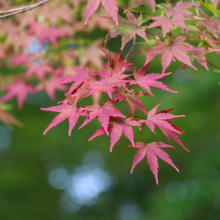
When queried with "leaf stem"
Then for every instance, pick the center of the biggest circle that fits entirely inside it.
(126, 107)
(213, 64)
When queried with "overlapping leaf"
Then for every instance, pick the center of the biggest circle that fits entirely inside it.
(145, 81)
(170, 51)
(109, 5)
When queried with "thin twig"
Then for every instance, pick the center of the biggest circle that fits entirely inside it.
(213, 64)
(126, 107)
(197, 10)
(15, 11)
(132, 47)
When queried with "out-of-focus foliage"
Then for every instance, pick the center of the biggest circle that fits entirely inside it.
(59, 177)
(62, 178)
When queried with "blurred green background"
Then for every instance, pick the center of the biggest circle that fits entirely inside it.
(55, 177)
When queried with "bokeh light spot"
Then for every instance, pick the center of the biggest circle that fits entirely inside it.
(176, 192)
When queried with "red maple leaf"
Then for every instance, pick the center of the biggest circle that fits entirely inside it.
(152, 151)
(103, 112)
(19, 89)
(145, 81)
(171, 51)
(71, 112)
(109, 5)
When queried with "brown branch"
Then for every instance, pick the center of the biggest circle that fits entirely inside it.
(11, 12)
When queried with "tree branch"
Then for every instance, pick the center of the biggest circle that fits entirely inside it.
(15, 11)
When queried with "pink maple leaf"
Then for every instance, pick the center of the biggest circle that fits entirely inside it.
(103, 112)
(118, 126)
(152, 151)
(160, 120)
(108, 83)
(39, 70)
(50, 85)
(150, 3)
(109, 5)
(19, 89)
(128, 28)
(169, 51)
(179, 8)
(132, 99)
(167, 23)
(71, 112)
(21, 58)
(145, 81)
(43, 32)
(79, 78)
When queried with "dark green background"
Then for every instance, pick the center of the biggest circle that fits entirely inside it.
(31, 159)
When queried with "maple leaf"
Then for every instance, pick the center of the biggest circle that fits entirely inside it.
(199, 57)
(178, 8)
(103, 112)
(21, 58)
(215, 2)
(54, 14)
(167, 23)
(128, 28)
(109, 5)
(43, 32)
(98, 132)
(71, 112)
(169, 134)
(169, 51)
(150, 3)
(51, 85)
(160, 120)
(145, 81)
(119, 126)
(131, 98)
(211, 24)
(15, 36)
(7, 118)
(39, 70)
(152, 151)
(80, 77)
(92, 54)
(115, 63)
(18, 89)
(108, 83)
